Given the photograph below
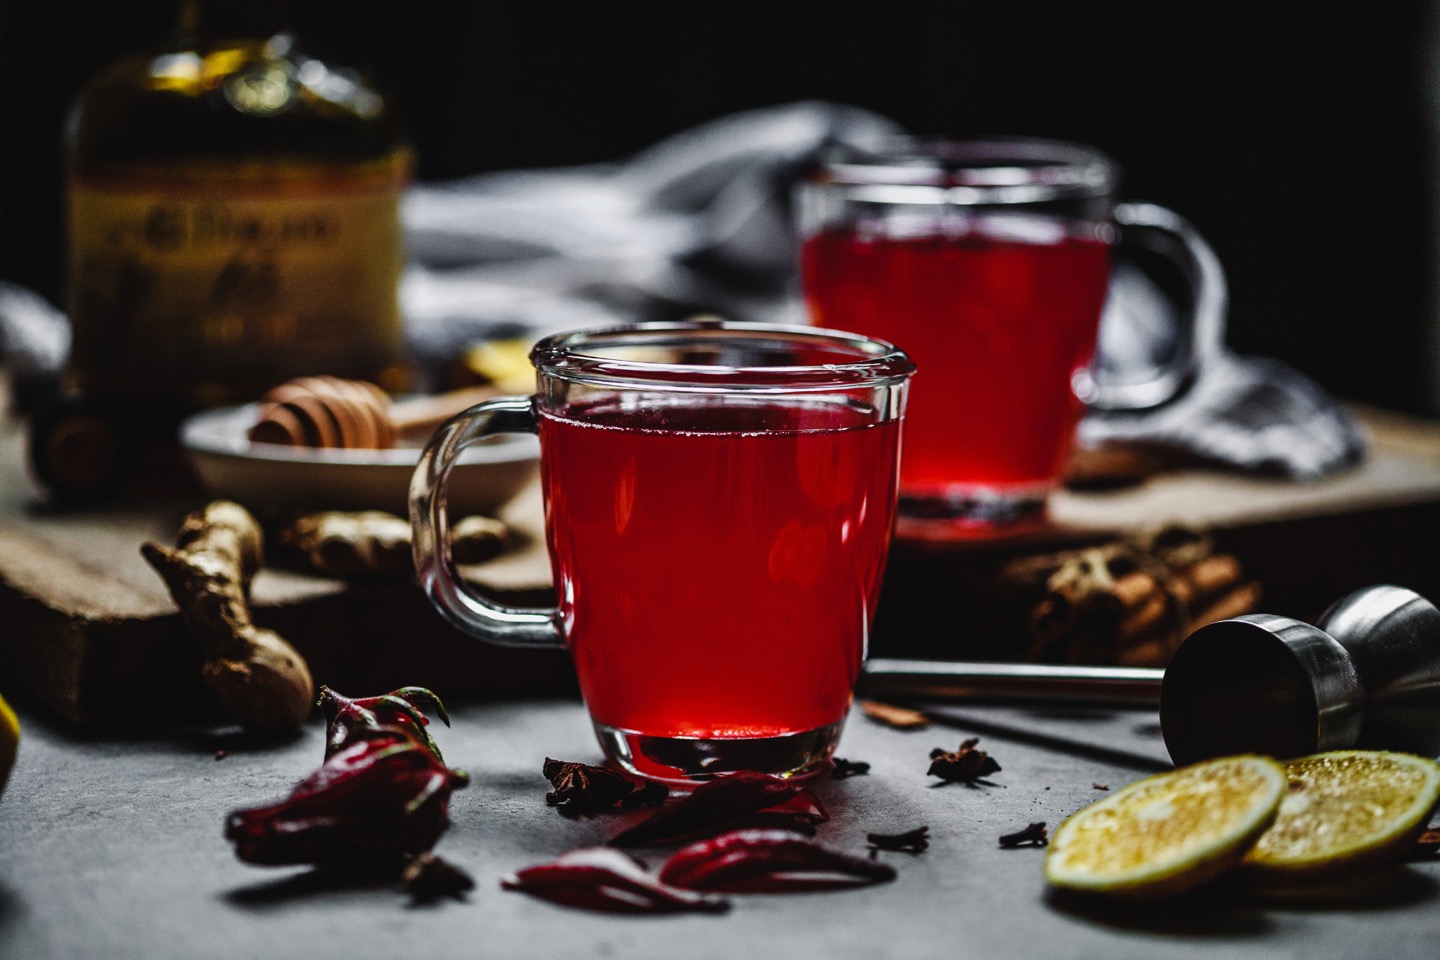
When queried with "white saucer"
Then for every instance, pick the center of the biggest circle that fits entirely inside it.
(488, 475)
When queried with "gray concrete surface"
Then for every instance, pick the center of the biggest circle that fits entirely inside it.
(111, 847)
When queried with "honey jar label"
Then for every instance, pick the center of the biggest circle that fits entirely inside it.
(203, 289)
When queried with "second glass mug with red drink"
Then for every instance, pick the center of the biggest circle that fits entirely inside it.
(719, 501)
(988, 262)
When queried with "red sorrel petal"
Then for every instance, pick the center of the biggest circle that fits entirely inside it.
(399, 708)
(768, 861)
(713, 806)
(602, 878)
(384, 793)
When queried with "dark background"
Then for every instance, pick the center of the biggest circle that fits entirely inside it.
(1296, 136)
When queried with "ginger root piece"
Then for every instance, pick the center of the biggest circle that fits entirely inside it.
(370, 543)
(262, 682)
(373, 543)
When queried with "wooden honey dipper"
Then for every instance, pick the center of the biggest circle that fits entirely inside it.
(324, 411)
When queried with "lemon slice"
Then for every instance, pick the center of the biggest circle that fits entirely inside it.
(9, 741)
(1167, 833)
(1343, 810)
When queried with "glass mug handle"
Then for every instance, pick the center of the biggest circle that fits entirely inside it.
(430, 526)
(1161, 231)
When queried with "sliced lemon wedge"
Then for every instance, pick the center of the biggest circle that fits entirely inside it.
(1344, 810)
(1167, 833)
(9, 741)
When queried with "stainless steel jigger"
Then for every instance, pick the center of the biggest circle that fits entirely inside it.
(1366, 674)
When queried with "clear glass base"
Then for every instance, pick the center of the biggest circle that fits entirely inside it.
(689, 760)
(973, 513)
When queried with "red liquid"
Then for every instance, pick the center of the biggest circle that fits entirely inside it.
(715, 581)
(997, 329)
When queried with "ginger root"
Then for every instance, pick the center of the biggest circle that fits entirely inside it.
(260, 679)
(376, 544)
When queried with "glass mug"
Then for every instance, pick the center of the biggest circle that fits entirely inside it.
(989, 262)
(719, 502)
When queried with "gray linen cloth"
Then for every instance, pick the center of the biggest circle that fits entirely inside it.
(701, 223)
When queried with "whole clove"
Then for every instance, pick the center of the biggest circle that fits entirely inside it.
(768, 861)
(965, 765)
(605, 879)
(384, 793)
(722, 804)
(1033, 835)
(911, 841)
(581, 787)
(844, 769)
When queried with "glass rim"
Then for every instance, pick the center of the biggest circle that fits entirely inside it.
(995, 169)
(873, 362)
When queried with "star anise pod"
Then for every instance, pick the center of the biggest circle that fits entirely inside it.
(581, 786)
(966, 764)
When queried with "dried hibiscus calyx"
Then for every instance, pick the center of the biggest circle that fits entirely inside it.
(602, 878)
(427, 878)
(399, 708)
(966, 764)
(650, 794)
(383, 793)
(724, 803)
(580, 786)
(768, 861)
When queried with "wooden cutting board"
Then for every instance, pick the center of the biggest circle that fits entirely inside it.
(87, 629)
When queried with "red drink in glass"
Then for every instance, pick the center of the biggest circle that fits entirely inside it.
(717, 564)
(719, 499)
(999, 324)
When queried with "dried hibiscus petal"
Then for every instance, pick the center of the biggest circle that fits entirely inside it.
(398, 708)
(769, 861)
(602, 878)
(652, 794)
(427, 878)
(580, 786)
(385, 793)
(800, 814)
(720, 804)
